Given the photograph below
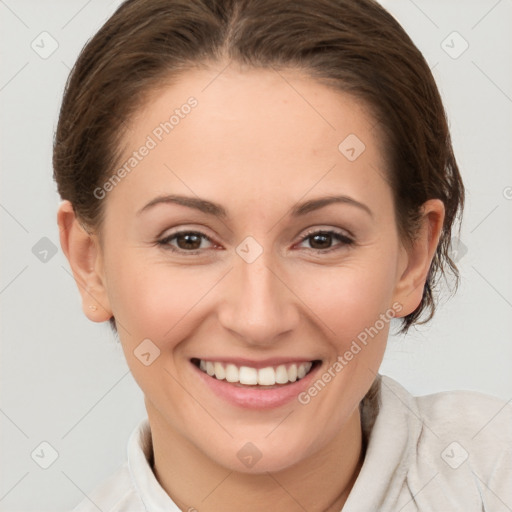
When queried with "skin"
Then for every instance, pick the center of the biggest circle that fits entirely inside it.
(256, 147)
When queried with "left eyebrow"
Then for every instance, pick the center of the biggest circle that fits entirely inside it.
(315, 204)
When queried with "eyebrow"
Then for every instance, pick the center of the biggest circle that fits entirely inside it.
(215, 209)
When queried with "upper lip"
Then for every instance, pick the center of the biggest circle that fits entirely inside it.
(262, 363)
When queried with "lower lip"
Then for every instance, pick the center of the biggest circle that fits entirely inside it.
(254, 397)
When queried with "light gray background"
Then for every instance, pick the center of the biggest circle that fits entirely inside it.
(64, 379)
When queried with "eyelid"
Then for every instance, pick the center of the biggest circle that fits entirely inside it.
(196, 228)
(342, 232)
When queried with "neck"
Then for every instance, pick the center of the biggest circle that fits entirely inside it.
(320, 483)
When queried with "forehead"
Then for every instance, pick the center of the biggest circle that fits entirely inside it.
(260, 131)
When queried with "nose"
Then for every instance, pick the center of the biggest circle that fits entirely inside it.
(259, 305)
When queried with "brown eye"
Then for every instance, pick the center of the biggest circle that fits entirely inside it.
(184, 241)
(188, 241)
(323, 240)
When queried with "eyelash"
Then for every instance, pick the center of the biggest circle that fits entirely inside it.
(346, 241)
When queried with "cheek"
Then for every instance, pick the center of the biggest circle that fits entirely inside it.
(151, 299)
(350, 298)
(160, 303)
(353, 306)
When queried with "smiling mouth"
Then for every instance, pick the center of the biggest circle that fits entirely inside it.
(268, 377)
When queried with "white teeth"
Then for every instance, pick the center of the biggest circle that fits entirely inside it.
(231, 373)
(220, 373)
(281, 374)
(266, 376)
(210, 368)
(249, 376)
(292, 373)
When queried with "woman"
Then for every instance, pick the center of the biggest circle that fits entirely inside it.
(253, 190)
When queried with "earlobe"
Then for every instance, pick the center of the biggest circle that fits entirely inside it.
(417, 257)
(82, 251)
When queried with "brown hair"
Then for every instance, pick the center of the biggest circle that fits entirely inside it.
(355, 46)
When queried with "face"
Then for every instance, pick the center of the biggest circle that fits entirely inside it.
(265, 315)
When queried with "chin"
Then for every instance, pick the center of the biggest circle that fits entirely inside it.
(261, 456)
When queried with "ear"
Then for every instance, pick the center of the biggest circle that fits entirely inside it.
(83, 253)
(417, 257)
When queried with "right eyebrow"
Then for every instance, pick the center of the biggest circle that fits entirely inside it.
(202, 205)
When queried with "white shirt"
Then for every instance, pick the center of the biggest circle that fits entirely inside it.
(444, 452)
